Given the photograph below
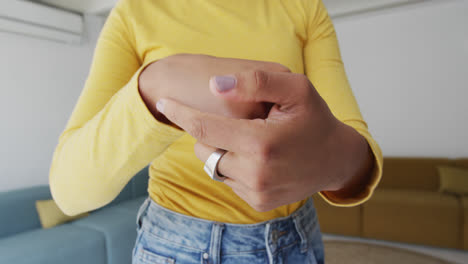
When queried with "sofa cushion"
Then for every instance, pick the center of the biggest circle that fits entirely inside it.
(453, 180)
(461, 163)
(119, 228)
(131, 206)
(18, 212)
(419, 217)
(412, 173)
(140, 183)
(338, 220)
(465, 222)
(63, 244)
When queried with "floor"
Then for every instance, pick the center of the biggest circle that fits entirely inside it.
(455, 256)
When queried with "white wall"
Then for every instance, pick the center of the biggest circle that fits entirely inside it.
(40, 82)
(409, 71)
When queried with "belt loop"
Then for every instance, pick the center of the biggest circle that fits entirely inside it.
(302, 234)
(215, 242)
(142, 209)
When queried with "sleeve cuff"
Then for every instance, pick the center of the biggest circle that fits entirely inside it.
(367, 192)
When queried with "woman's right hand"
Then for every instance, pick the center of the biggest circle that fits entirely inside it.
(185, 78)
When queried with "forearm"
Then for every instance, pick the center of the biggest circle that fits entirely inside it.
(186, 79)
(148, 92)
(93, 163)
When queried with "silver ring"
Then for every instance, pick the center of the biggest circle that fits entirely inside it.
(211, 165)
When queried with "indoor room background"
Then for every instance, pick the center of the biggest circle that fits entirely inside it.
(407, 68)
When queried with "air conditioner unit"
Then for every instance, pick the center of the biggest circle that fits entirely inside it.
(36, 20)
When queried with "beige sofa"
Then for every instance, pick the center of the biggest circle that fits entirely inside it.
(406, 207)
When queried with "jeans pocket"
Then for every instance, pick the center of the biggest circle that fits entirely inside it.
(145, 256)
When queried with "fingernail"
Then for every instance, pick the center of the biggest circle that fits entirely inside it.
(160, 105)
(225, 83)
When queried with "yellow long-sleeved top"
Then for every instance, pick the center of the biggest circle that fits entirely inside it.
(111, 134)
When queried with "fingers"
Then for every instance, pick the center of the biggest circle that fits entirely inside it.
(254, 200)
(235, 169)
(226, 165)
(230, 165)
(282, 88)
(234, 135)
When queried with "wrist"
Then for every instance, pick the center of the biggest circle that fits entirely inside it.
(356, 161)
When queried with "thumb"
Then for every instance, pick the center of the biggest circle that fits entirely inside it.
(281, 88)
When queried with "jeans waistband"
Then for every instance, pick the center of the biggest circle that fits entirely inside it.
(197, 233)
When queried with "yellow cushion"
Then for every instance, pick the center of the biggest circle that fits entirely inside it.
(453, 180)
(50, 214)
(412, 173)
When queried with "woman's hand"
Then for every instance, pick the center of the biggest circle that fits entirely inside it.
(298, 150)
(185, 78)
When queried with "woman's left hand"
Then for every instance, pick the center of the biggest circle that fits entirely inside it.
(298, 150)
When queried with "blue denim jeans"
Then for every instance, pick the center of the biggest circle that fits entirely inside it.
(164, 236)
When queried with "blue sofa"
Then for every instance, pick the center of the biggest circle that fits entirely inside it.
(106, 236)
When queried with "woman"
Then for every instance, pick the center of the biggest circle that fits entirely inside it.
(115, 129)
